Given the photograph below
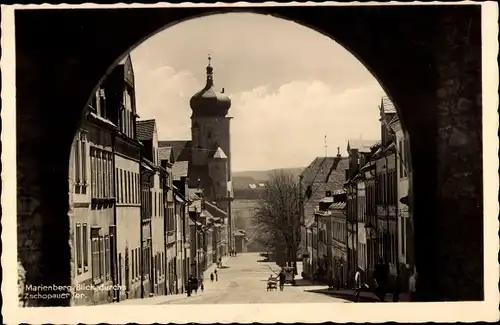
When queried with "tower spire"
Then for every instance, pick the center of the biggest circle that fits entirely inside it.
(326, 148)
(210, 73)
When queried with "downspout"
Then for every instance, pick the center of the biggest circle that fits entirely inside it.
(141, 230)
(386, 191)
(396, 187)
(164, 208)
(356, 220)
(116, 296)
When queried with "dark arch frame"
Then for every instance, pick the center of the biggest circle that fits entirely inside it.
(415, 52)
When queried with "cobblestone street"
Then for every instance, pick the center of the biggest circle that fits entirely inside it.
(243, 280)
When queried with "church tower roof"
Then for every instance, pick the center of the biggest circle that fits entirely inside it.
(219, 154)
(208, 101)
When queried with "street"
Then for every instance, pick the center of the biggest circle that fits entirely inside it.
(244, 280)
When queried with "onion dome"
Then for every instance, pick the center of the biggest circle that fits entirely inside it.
(208, 101)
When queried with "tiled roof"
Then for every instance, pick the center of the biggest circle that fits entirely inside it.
(215, 211)
(337, 206)
(323, 174)
(180, 169)
(388, 105)
(164, 153)
(219, 153)
(180, 148)
(145, 130)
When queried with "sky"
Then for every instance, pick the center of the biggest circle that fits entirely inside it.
(289, 86)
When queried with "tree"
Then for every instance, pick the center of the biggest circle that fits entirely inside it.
(277, 218)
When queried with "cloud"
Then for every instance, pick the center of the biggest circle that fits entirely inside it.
(280, 126)
(163, 94)
(285, 127)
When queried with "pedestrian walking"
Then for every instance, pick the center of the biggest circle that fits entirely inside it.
(216, 276)
(212, 277)
(357, 285)
(202, 287)
(413, 285)
(189, 285)
(195, 285)
(381, 274)
(282, 278)
(397, 288)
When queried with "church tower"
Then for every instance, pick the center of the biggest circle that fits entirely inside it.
(210, 134)
(210, 143)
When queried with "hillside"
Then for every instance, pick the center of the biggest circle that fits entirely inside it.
(242, 179)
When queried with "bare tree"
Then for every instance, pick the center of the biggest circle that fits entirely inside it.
(278, 214)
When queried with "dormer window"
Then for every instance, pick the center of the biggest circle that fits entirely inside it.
(328, 193)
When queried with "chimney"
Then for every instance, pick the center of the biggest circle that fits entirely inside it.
(222, 91)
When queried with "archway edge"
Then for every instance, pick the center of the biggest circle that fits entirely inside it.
(427, 57)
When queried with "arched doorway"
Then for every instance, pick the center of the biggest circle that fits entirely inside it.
(427, 58)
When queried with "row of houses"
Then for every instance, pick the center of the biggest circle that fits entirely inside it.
(139, 225)
(355, 210)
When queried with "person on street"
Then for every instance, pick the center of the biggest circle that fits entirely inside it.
(189, 285)
(397, 288)
(195, 285)
(413, 285)
(216, 275)
(202, 287)
(282, 278)
(381, 276)
(212, 277)
(357, 285)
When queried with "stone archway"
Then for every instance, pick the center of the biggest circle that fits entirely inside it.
(427, 58)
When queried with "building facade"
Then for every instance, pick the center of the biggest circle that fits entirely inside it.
(404, 216)
(120, 98)
(154, 237)
(92, 204)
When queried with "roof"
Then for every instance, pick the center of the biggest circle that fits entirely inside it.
(180, 169)
(239, 233)
(215, 211)
(323, 174)
(181, 148)
(327, 199)
(145, 129)
(219, 154)
(164, 153)
(361, 145)
(337, 206)
(388, 105)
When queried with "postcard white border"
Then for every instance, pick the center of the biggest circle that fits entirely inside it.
(263, 313)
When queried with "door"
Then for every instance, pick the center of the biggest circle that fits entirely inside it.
(127, 275)
(114, 269)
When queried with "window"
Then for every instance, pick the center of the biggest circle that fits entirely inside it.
(108, 258)
(95, 260)
(129, 188)
(121, 187)
(137, 266)
(209, 134)
(78, 248)
(85, 248)
(77, 162)
(133, 264)
(102, 256)
(111, 176)
(83, 158)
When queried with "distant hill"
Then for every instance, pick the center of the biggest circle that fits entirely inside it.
(244, 178)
